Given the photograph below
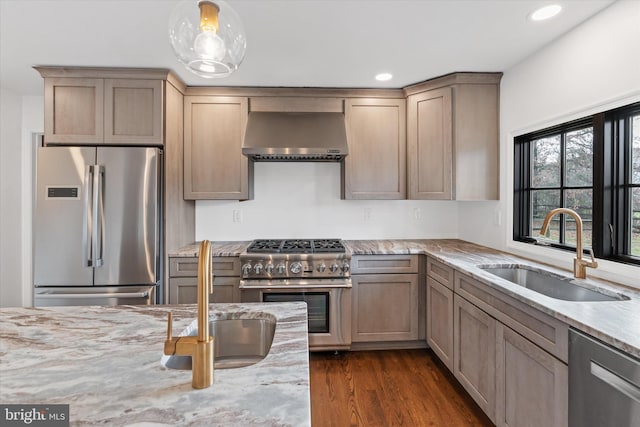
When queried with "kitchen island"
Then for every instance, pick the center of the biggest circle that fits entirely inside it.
(105, 363)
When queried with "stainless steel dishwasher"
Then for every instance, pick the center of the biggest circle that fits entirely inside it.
(604, 384)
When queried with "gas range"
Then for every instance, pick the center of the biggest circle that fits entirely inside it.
(295, 258)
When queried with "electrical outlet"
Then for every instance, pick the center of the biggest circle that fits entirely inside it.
(497, 218)
(367, 215)
(417, 214)
(237, 215)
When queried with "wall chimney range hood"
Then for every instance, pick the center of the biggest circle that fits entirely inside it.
(295, 137)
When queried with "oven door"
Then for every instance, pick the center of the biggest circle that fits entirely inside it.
(328, 306)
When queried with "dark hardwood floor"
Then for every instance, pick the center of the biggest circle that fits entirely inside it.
(388, 388)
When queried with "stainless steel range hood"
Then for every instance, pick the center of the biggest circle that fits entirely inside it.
(298, 137)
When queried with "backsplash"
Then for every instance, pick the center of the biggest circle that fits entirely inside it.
(294, 200)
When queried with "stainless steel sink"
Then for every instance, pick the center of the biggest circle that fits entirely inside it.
(236, 342)
(550, 284)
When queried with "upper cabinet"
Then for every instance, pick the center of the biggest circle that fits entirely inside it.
(133, 111)
(85, 106)
(376, 165)
(214, 167)
(453, 137)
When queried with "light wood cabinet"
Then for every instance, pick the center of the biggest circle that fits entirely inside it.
(183, 280)
(509, 357)
(439, 312)
(214, 166)
(531, 385)
(440, 321)
(184, 290)
(376, 133)
(474, 359)
(133, 111)
(103, 111)
(385, 307)
(453, 137)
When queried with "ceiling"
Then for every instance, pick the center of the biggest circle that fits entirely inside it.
(295, 43)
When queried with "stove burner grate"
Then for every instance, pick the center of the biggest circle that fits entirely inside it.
(296, 246)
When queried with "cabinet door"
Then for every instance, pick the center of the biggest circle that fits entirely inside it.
(531, 388)
(133, 111)
(440, 321)
(214, 167)
(385, 307)
(376, 165)
(73, 110)
(474, 356)
(184, 290)
(430, 145)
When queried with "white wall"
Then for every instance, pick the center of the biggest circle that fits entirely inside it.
(303, 200)
(594, 67)
(20, 117)
(10, 199)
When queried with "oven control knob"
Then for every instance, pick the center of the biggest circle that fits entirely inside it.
(345, 267)
(269, 268)
(257, 268)
(295, 267)
(281, 268)
(333, 268)
(246, 268)
(321, 268)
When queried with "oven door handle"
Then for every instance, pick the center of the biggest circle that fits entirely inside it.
(295, 283)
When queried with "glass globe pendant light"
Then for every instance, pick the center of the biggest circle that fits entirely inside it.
(207, 37)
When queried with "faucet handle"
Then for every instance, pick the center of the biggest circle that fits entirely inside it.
(169, 326)
(593, 263)
(170, 343)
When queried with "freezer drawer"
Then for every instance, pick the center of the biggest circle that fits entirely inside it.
(108, 295)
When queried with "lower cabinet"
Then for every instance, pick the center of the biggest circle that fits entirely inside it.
(184, 290)
(474, 353)
(385, 307)
(531, 385)
(515, 382)
(440, 321)
(183, 280)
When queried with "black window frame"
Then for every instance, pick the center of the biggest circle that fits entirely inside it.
(611, 182)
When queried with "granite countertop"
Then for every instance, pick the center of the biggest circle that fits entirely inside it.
(105, 363)
(218, 248)
(614, 322)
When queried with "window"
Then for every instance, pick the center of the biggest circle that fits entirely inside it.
(591, 166)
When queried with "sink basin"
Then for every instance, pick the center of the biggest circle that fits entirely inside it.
(550, 284)
(236, 343)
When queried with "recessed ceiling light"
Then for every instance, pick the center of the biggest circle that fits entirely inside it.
(383, 77)
(545, 12)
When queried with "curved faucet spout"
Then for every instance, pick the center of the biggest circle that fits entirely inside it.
(200, 348)
(579, 264)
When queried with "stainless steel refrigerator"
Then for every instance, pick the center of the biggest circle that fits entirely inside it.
(97, 226)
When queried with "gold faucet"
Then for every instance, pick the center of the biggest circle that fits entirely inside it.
(579, 264)
(200, 348)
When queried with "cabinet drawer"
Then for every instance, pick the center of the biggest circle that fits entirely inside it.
(441, 272)
(188, 267)
(376, 264)
(540, 328)
(184, 290)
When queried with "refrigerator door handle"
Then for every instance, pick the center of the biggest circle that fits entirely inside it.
(142, 294)
(88, 215)
(99, 215)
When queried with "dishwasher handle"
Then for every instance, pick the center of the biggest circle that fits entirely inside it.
(621, 384)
